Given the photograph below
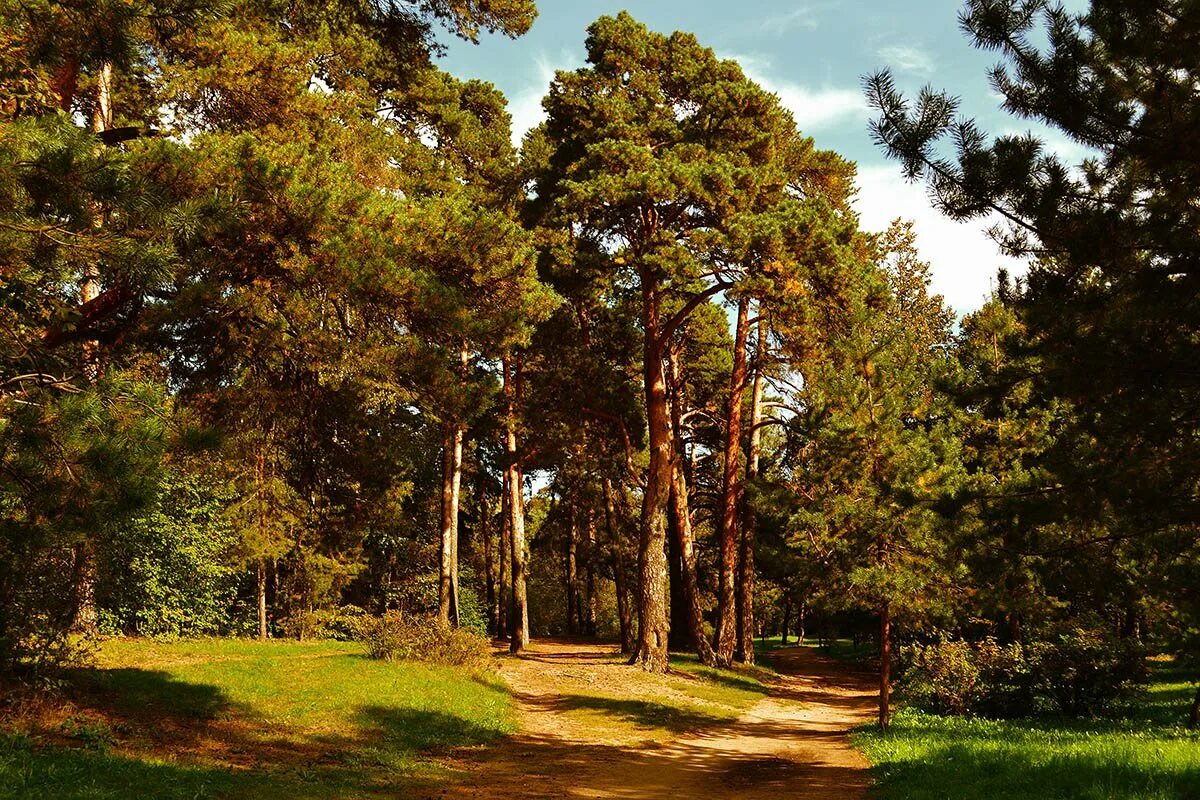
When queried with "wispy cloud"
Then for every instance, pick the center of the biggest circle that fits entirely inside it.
(906, 58)
(525, 106)
(799, 18)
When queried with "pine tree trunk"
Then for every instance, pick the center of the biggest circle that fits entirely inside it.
(624, 621)
(452, 443)
(651, 652)
(519, 616)
(885, 665)
(694, 612)
(680, 637)
(727, 623)
(746, 576)
(85, 617)
(262, 599)
(572, 576)
(787, 619)
(504, 578)
(591, 604)
(801, 613)
(489, 560)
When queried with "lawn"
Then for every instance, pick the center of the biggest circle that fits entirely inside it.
(1146, 754)
(242, 719)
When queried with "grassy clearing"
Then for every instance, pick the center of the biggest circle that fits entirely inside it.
(1145, 755)
(241, 719)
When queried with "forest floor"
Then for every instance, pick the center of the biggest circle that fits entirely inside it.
(588, 728)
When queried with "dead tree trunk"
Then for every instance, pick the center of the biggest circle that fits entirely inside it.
(519, 619)
(727, 627)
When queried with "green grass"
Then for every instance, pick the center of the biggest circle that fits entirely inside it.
(1146, 754)
(240, 719)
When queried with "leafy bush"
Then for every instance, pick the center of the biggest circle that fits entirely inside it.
(399, 636)
(1076, 670)
(165, 573)
(1083, 670)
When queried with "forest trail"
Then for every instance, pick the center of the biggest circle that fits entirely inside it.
(793, 743)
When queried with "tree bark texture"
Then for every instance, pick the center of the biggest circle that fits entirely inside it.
(452, 443)
(730, 495)
(519, 616)
(745, 593)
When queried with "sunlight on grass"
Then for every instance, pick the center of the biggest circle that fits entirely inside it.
(248, 719)
(1146, 755)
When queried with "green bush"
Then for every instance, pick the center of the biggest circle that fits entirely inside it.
(399, 636)
(342, 623)
(1072, 669)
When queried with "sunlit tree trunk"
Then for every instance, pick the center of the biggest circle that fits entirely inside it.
(519, 613)
(651, 652)
(452, 445)
(262, 599)
(591, 604)
(504, 578)
(726, 637)
(745, 587)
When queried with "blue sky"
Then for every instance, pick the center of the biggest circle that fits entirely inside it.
(813, 55)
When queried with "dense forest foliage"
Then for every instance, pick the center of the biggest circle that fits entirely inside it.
(293, 336)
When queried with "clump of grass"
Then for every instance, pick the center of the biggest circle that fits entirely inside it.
(1146, 754)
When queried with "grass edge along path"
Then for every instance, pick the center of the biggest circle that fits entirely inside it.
(1145, 754)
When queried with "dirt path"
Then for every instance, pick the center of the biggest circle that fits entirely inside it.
(791, 744)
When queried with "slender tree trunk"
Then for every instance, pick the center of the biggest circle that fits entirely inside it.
(694, 612)
(589, 578)
(787, 619)
(680, 636)
(89, 289)
(572, 576)
(885, 665)
(452, 446)
(746, 577)
(653, 627)
(262, 599)
(489, 560)
(519, 618)
(727, 627)
(504, 589)
(624, 620)
(690, 614)
(801, 614)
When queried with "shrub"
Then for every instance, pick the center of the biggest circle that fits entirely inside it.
(340, 623)
(1084, 670)
(399, 636)
(1073, 669)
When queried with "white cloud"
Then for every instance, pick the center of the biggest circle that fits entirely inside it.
(526, 105)
(906, 58)
(964, 259)
(814, 108)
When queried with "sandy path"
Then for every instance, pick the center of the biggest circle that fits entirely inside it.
(791, 744)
